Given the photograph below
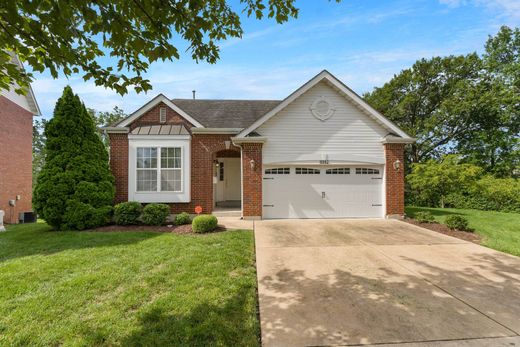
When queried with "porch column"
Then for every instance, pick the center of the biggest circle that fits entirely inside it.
(394, 180)
(252, 180)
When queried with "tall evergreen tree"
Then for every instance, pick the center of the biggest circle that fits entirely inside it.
(75, 188)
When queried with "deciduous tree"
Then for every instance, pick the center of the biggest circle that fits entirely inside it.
(72, 36)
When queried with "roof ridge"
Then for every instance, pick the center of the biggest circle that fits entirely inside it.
(260, 100)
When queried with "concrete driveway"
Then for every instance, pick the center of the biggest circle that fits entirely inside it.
(349, 282)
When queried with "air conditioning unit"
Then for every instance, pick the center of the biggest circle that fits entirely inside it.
(27, 217)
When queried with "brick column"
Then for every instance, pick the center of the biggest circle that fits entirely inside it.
(252, 181)
(394, 180)
(119, 164)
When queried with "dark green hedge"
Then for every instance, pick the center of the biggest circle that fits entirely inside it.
(155, 214)
(127, 213)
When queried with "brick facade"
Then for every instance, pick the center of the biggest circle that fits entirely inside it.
(394, 180)
(119, 165)
(152, 118)
(204, 149)
(252, 180)
(15, 159)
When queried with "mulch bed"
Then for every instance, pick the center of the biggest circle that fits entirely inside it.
(175, 229)
(443, 229)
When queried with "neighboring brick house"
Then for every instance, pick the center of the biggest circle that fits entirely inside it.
(16, 116)
(322, 152)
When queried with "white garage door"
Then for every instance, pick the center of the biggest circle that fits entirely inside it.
(322, 192)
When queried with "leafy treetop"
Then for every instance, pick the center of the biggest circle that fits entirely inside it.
(72, 36)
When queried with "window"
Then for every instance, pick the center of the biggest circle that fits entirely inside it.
(221, 171)
(366, 171)
(149, 172)
(162, 115)
(278, 171)
(147, 169)
(338, 171)
(307, 171)
(171, 171)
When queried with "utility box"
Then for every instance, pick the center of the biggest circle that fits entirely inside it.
(27, 217)
(2, 214)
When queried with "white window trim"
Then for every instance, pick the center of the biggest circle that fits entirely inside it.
(159, 196)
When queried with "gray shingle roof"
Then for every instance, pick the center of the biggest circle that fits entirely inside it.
(226, 113)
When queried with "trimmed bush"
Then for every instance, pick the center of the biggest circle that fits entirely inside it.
(424, 217)
(204, 223)
(182, 218)
(458, 222)
(155, 214)
(127, 213)
(74, 189)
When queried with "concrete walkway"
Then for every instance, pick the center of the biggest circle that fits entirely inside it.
(350, 282)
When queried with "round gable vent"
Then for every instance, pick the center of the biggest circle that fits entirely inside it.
(322, 109)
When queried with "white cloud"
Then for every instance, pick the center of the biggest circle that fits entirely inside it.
(507, 8)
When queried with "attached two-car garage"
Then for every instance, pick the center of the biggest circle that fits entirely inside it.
(322, 191)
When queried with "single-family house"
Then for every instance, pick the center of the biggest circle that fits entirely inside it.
(322, 152)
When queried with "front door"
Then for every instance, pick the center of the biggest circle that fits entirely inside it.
(228, 187)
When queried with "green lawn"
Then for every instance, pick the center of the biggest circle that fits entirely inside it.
(499, 230)
(127, 289)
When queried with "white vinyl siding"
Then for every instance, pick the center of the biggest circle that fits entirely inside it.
(295, 135)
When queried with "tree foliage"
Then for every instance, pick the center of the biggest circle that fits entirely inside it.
(433, 180)
(468, 105)
(495, 145)
(431, 101)
(106, 118)
(38, 147)
(75, 188)
(450, 183)
(71, 37)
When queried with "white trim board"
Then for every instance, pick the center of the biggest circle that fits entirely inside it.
(343, 89)
(159, 196)
(152, 103)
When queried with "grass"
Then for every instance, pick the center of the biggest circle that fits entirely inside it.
(126, 289)
(500, 230)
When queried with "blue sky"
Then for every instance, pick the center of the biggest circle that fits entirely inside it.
(362, 42)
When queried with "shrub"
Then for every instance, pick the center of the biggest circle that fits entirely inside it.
(127, 213)
(182, 218)
(155, 214)
(458, 222)
(204, 223)
(74, 189)
(424, 217)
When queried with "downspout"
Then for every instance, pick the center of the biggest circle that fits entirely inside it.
(241, 180)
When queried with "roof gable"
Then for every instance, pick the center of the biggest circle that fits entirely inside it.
(150, 104)
(27, 101)
(340, 88)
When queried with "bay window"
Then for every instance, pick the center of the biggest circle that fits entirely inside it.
(159, 169)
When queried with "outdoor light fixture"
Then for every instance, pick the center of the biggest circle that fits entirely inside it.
(217, 164)
(252, 163)
(397, 165)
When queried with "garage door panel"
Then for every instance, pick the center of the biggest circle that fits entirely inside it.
(322, 195)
